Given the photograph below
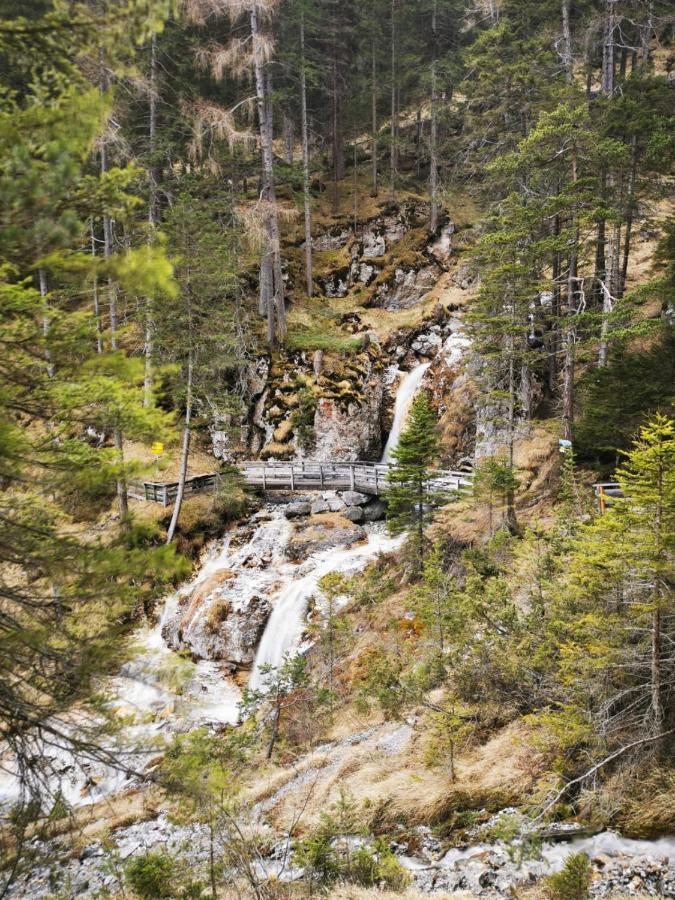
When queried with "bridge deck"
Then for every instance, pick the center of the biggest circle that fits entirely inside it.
(367, 478)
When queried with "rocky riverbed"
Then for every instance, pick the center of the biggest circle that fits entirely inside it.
(620, 867)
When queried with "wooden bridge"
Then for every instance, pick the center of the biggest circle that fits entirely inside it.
(367, 478)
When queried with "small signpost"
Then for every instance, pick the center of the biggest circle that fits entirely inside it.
(157, 451)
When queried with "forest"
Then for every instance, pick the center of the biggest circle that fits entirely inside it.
(337, 449)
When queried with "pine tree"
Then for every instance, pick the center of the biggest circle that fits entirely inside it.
(66, 592)
(411, 494)
(622, 573)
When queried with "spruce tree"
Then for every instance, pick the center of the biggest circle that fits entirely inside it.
(411, 494)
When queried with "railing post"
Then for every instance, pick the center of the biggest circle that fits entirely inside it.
(321, 475)
(352, 482)
(264, 479)
(292, 478)
(377, 489)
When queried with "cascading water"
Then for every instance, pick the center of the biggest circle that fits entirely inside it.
(404, 398)
(285, 625)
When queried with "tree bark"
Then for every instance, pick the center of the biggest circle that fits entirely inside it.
(433, 134)
(118, 439)
(185, 448)
(289, 138)
(608, 49)
(393, 129)
(42, 280)
(630, 213)
(568, 59)
(271, 251)
(153, 218)
(570, 335)
(374, 185)
(97, 305)
(309, 271)
(647, 32)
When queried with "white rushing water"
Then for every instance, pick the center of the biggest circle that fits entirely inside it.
(285, 625)
(404, 397)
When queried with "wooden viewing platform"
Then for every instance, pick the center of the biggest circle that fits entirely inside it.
(367, 478)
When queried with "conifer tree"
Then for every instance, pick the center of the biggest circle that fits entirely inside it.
(411, 494)
(65, 591)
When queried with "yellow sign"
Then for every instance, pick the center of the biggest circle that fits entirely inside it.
(157, 448)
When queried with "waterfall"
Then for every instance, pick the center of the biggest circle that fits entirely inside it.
(285, 625)
(404, 398)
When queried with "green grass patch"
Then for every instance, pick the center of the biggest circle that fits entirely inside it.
(311, 339)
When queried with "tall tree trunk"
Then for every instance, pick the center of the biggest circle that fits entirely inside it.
(658, 713)
(271, 251)
(276, 719)
(511, 520)
(118, 439)
(153, 218)
(647, 32)
(185, 448)
(42, 281)
(630, 213)
(433, 135)
(394, 107)
(373, 101)
(309, 272)
(526, 391)
(289, 138)
(337, 149)
(553, 341)
(97, 303)
(608, 49)
(610, 286)
(570, 334)
(568, 59)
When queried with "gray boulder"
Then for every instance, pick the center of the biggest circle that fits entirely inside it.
(320, 506)
(354, 514)
(375, 511)
(354, 498)
(295, 510)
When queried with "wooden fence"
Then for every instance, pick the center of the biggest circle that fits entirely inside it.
(605, 492)
(367, 478)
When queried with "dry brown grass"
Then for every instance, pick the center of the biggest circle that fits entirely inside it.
(360, 893)
(394, 786)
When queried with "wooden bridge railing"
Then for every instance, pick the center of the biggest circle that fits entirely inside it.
(367, 478)
(605, 492)
(165, 492)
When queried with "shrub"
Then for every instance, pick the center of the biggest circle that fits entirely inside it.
(573, 881)
(151, 876)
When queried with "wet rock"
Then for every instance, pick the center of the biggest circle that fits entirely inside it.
(366, 274)
(354, 514)
(295, 510)
(408, 288)
(355, 498)
(350, 431)
(336, 505)
(464, 277)
(320, 506)
(375, 511)
(427, 344)
(374, 245)
(215, 628)
(333, 239)
(441, 248)
(336, 284)
(319, 536)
